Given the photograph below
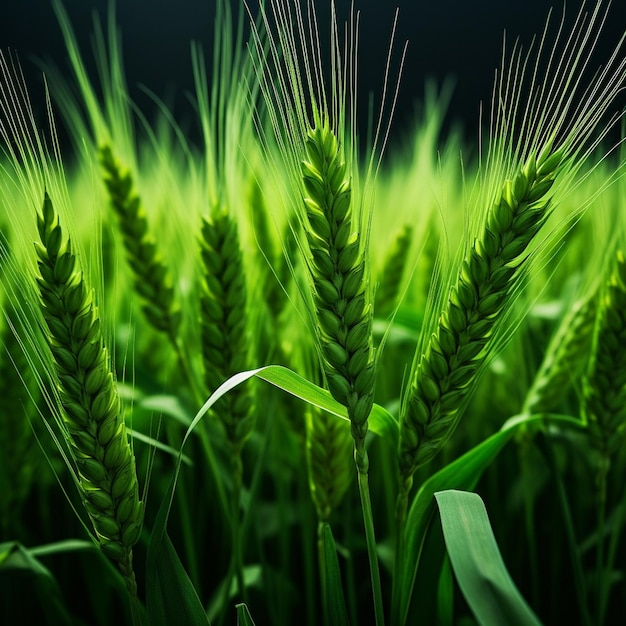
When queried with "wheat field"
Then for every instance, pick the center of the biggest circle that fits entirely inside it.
(284, 367)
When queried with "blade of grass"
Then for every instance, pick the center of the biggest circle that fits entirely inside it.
(170, 595)
(332, 592)
(477, 562)
(243, 616)
(460, 474)
(445, 595)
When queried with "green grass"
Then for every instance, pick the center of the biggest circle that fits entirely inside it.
(312, 343)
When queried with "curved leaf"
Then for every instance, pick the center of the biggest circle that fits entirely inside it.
(477, 563)
(171, 596)
(380, 420)
(463, 473)
(62, 547)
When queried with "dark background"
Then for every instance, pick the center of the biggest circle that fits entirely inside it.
(456, 39)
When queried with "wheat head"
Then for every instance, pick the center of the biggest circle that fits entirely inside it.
(543, 127)
(151, 276)
(487, 277)
(331, 469)
(565, 359)
(392, 271)
(338, 272)
(604, 397)
(223, 321)
(93, 421)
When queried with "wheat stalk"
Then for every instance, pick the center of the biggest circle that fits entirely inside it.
(315, 131)
(92, 414)
(225, 349)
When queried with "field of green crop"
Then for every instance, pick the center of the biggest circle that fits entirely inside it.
(294, 372)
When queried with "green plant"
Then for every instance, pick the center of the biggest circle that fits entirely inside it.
(395, 310)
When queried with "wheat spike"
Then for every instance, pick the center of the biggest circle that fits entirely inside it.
(331, 468)
(225, 342)
(338, 270)
(565, 359)
(92, 413)
(393, 271)
(151, 276)
(605, 383)
(488, 275)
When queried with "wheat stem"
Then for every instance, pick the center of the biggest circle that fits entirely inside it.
(338, 270)
(370, 537)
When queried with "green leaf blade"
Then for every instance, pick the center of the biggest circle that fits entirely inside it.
(243, 616)
(334, 601)
(380, 420)
(171, 596)
(463, 473)
(477, 562)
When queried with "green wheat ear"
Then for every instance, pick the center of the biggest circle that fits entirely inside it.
(605, 383)
(315, 146)
(92, 414)
(488, 276)
(151, 277)
(338, 270)
(551, 135)
(565, 359)
(331, 468)
(392, 272)
(225, 340)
